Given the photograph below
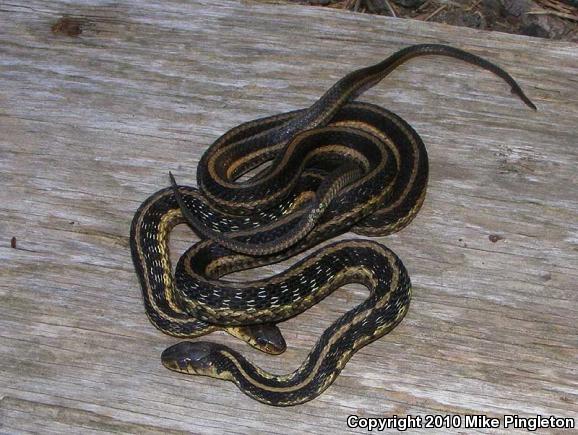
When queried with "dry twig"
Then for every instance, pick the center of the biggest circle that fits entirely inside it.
(556, 13)
(434, 13)
(390, 7)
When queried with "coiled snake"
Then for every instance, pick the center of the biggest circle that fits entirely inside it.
(268, 190)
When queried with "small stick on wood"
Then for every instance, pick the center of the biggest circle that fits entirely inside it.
(423, 6)
(556, 13)
(474, 5)
(434, 13)
(390, 7)
(557, 5)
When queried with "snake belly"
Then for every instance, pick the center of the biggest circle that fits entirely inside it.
(270, 189)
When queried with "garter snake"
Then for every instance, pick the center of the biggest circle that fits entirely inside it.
(270, 189)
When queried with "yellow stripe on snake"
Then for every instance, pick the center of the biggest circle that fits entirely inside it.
(270, 189)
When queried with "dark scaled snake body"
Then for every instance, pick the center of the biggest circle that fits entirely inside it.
(268, 190)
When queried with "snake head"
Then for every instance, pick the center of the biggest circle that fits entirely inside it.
(193, 358)
(270, 340)
(265, 337)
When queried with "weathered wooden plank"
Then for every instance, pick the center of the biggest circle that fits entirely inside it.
(58, 419)
(92, 123)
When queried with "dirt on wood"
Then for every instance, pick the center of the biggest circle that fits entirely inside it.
(552, 19)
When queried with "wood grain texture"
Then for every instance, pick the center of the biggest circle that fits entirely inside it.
(99, 100)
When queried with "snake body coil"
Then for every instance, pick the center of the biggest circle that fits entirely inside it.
(268, 190)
